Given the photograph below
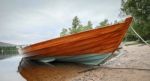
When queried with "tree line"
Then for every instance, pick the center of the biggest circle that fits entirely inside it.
(78, 27)
(11, 50)
(138, 9)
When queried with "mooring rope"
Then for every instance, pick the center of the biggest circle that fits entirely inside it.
(103, 67)
(139, 36)
(96, 67)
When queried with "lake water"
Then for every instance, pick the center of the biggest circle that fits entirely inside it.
(17, 69)
(9, 69)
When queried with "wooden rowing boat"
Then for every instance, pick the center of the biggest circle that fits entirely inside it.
(100, 41)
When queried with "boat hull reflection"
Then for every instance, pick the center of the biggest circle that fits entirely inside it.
(38, 71)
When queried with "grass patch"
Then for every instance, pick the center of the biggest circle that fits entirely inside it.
(131, 43)
(148, 41)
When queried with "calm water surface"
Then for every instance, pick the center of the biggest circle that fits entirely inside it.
(9, 69)
(20, 69)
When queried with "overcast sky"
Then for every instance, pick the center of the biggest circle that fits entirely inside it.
(31, 21)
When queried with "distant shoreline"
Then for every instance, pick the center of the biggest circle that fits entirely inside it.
(7, 56)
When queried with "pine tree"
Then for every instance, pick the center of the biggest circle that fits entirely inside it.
(75, 25)
(89, 25)
(104, 23)
(64, 32)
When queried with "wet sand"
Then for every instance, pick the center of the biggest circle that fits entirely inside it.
(133, 65)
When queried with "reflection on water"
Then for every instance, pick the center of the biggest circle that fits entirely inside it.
(8, 69)
(18, 69)
(36, 71)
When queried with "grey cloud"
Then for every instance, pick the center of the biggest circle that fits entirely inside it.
(40, 20)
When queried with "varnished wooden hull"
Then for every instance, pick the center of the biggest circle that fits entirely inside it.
(101, 40)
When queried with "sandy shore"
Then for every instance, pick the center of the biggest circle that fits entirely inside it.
(133, 65)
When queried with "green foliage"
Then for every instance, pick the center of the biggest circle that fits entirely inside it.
(115, 22)
(89, 25)
(130, 36)
(148, 41)
(75, 22)
(86, 27)
(64, 32)
(140, 10)
(103, 23)
(76, 27)
(8, 50)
